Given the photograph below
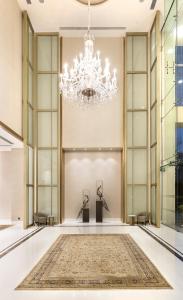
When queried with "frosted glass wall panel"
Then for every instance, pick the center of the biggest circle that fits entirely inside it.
(139, 53)
(137, 129)
(44, 53)
(30, 127)
(47, 129)
(168, 197)
(168, 216)
(31, 205)
(55, 202)
(54, 167)
(168, 57)
(168, 134)
(47, 167)
(130, 199)
(153, 45)
(153, 204)
(54, 130)
(47, 91)
(153, 85)
(44, 203)
(54, 54)
(137, 91)
(153, 125)
(137, 199)
(137, 166)
(31, 166)
(44, 167)
(30, 46)
(48, 203)
(44, 129)
(129, 53)
(169, 102)
(153, 165)
(30, 100)
(169, 181)
(54, 91)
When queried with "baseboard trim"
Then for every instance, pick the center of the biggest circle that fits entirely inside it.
(161, 241)
(19, 242)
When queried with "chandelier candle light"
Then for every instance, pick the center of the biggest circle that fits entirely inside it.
(87, 82)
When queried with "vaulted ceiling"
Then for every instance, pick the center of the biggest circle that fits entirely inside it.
(134, 15)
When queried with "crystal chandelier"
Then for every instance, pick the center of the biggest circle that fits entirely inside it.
(87, 82)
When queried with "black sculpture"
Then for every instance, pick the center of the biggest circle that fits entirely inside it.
(84, 206)
(100, 195)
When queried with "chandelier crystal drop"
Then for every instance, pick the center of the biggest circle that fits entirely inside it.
(88, 82)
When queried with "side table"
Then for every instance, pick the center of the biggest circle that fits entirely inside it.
(50, 220)
(132, 219)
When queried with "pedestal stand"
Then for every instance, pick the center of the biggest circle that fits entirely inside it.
(99, 211)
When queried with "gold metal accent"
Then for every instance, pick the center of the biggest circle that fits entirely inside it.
(126, 111)
(93, 2)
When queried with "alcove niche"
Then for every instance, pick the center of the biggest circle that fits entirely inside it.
(82, 170)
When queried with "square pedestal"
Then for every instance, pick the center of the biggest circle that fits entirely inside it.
(99, 211)
(86, 215)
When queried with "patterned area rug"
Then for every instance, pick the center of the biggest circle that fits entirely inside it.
(95, 261)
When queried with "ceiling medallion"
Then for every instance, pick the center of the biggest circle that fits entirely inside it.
(88, 81)
(93, 2)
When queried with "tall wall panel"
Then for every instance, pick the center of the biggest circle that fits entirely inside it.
(136, 123)
(28, 117)
(48, 126)
(155, 121)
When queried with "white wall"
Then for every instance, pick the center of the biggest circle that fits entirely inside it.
(11, 185)
(82, 170)
(11, 65)
(98, 126)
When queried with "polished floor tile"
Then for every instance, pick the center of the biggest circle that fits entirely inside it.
(171, 236)
(19, 262)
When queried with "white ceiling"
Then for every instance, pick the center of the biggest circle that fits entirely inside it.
(51, 15)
